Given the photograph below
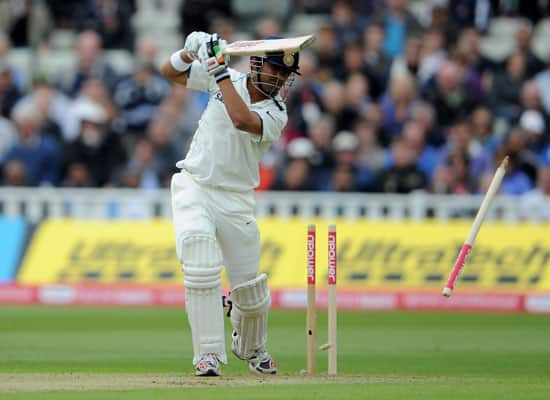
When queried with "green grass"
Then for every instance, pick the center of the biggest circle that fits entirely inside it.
(460, 356)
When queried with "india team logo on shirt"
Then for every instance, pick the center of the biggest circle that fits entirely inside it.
(218, 96)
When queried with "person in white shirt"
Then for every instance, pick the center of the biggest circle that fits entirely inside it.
(213, 197)
(535, 205)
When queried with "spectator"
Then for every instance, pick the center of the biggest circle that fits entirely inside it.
(534, 128)
(506, 87)
(437, 17)
(531, 101)
(93, 90)
(348, 175)
(295, 174)
(432, 55)
(408, 63)
(353, 61)
(38, 152)
(321, 134)
(139, 95)
(414, 136)
(268, 26)
(464, 13)
(348, 25)
(375, 117)
(304, 102)
(15, 174)
(343, 179)
(474, 83)
(448, 95)
(8, 137)
(524, 36)
(460, 141)
(535, 204)
(78, 176)
(397, 105)
(90, 65)
(482, 129)
(441, 180)
(195, 15)
(166, 149)
(96, 149)
(398, 23)
(424, 114)
(18, 75)
(52, 106)
(334, 103)
(377, 63)
(27, 22)
(469, 44)
(357, 93)
(182, 113)
(530, 96)
(111, 19)
(62, 13)
(542, 79)
(524, 160)
(9, 93)
(327, 52)
(142, 171)
(224, 27)
(516, 182)
(403, 176)
(370, 153)
(5, 46)
(454, 176)
(147, 52)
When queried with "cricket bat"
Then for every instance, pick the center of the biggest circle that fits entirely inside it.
(264, 46)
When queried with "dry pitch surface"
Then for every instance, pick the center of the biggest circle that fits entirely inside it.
(39, 382)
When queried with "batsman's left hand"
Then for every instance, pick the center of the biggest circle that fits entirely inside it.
(212, 58)
(194, 40)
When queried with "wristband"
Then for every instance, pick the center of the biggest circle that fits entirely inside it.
(222, 76)
(177, 63)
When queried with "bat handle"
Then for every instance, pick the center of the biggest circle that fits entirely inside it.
(459, 263)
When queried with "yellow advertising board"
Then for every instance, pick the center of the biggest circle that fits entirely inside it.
(371, 255)
(101, 251)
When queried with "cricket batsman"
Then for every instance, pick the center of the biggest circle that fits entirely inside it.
(213, 197)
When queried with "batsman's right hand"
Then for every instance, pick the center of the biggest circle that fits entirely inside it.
(194, 41)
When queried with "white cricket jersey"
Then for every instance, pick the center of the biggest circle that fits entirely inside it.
(221, 155)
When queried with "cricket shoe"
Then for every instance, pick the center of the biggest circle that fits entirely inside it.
(262, 363)
(208, 365)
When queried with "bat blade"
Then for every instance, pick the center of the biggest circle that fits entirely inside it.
(262, 47)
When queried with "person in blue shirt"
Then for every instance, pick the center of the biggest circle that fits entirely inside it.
(37, 152)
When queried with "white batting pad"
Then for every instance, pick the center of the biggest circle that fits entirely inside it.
(251, 301)
(202, 267)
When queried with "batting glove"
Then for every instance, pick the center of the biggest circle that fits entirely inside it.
(194, 41)
(212, 58)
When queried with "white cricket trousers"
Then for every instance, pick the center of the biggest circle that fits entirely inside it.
(227, 216)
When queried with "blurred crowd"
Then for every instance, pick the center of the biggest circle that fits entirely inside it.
(388, 100)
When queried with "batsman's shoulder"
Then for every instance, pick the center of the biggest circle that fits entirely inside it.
(275, 109)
